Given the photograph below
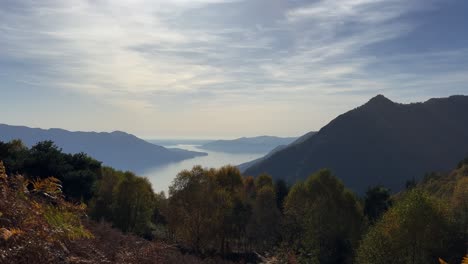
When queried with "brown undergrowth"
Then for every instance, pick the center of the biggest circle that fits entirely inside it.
(37, 225)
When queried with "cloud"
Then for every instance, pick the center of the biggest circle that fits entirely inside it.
(200, 55)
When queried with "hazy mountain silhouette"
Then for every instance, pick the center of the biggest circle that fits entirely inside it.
(259, 144)
(381, 142)
(244, 166)
(117, 149)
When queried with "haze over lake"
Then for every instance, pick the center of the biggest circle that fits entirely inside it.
(162, 176)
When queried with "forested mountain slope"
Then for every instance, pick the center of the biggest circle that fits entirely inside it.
(381, 142)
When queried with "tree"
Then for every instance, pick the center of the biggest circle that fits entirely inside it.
(229, 178)
(13, 154)
(192, 209)
(377, 201)
(323, 219)
(416, 230)
(133, 204)
(45, 159)
(105, 188)
(263, 228)
(80, 176)
(263, 180)
(249, 188)
(459, 204)
(282, 190)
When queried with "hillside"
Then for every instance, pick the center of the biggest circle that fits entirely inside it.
(117, 149)
(42, 227)
(259, 144)
(381, 142)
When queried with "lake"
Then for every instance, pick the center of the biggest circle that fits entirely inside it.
(161, 177)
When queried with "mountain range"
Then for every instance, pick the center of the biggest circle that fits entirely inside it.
(117, 149)
(260, 144)
(379, 143)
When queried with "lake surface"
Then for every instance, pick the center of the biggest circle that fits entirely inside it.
(161, 177)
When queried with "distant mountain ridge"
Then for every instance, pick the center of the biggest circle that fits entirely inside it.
(260, 144)
(117, 149)
(244, 166)
(381, 142)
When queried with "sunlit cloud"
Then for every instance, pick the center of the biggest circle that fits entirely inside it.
(158, 57)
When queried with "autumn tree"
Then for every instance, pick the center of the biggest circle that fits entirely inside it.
(263, 228)
(192, 208)
(323, 219)
(416, 230)
(263, 180)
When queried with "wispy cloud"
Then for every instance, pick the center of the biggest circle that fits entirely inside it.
(206, 54)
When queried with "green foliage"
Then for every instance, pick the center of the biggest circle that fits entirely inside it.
(133, 205)
(459, 205)
(218, 210)
(78, 173)
(126, 200)
(65, 223)
(416, 230)
(13, 154)
(377, 201)
(323, 219)
(192, 207)
(101, 204)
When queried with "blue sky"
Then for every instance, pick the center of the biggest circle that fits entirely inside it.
(222, 68)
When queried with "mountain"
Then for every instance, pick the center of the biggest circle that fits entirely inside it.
(244, 166)
(381, 142)
(259, 144)
(117, 149)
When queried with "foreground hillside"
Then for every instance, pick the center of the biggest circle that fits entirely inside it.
(117, 149)
(381, 142)
(218, 214)
(39, 226)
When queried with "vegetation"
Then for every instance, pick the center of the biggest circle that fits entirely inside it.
(218, 214)
(324, 220)
(77, 172)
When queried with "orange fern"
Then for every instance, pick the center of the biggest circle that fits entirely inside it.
(465, 260)
(8, 233)
(441, 261)
(49, 186)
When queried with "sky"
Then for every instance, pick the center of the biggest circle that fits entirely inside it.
(222, 68)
